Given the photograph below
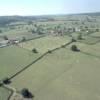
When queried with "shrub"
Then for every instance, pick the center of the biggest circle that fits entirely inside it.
(73, 40)
(34, 50)
(74, 48)
(1, 83)
(26, 93)
(49, 51)
(23, 39)
(6, 80)
(5, 37)
(63, 46)
(0, 31)
(79, 37)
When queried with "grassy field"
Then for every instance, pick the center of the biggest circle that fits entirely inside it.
(4, 94)
(13, 58)
(62, 75)
(46, 43)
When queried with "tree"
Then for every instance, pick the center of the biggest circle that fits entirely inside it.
(26, 93)
(34, 50)
(30, 22)
(63, 46)
(97, 30)
(33, 31)
(6, 80)
(74, 48)
(49, 51)
(23, 39)
(73, 40)
(5, 37)
(40, 30)
(79, 37)
(0, 31)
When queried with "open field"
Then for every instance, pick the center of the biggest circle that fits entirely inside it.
(46, 43)
(4, 94)
(62, 75)
(13, 58)
(53, 71)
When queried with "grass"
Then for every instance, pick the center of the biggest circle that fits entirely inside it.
(62, 75)
(46, 43)
(90, 40)
(13, 58)
(4, 94)
(96, 34)
(91, 49)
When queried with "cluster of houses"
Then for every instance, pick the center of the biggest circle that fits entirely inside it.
(4, 43)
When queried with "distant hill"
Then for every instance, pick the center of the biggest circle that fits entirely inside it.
(4, 20)
(90, 14)
(8, 19)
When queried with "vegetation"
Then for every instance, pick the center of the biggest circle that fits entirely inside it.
(26, 93)
(63, 74)
(5, 37)
(6, 80)
(74, 48)
(34, 50)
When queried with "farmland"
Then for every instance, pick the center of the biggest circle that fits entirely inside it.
(4, 94)
(37, 54)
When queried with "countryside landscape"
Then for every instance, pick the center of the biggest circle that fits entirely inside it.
(52, 57)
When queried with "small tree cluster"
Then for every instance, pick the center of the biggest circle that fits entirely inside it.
(74, 48)
(6, 80)
(63, 46)
(34, 50)
(26, 93)
(5, 37)
(0, 31)
(23, 39)
(49, 51)
(73, 40)
(79, 37)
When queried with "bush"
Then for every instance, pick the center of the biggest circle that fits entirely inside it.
(34, 50)
(6, 80)
(5, 37)
(79, 37)
(23, 39)
(1, 83)
(63, 46)
(26, 93)
(49, 51)
(0, 31)
(73, 40)
(74, 48)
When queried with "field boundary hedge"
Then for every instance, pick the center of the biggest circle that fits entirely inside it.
(39, 58)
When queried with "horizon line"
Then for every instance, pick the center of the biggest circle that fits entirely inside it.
(52, 14)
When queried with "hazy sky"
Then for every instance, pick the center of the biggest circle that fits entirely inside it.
(41, 7)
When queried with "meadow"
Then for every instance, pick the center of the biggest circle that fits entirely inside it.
(53, 71)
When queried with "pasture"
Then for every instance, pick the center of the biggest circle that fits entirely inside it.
(53, 71)
(62, 75)
(46, 43)
(4, 93)
(12, 59)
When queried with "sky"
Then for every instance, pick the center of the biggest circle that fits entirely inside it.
(47, 7)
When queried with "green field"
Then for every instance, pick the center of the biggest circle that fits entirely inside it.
(4, 94)
(13, 58)
(62, 75)
(55, 72)
(46, 43)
